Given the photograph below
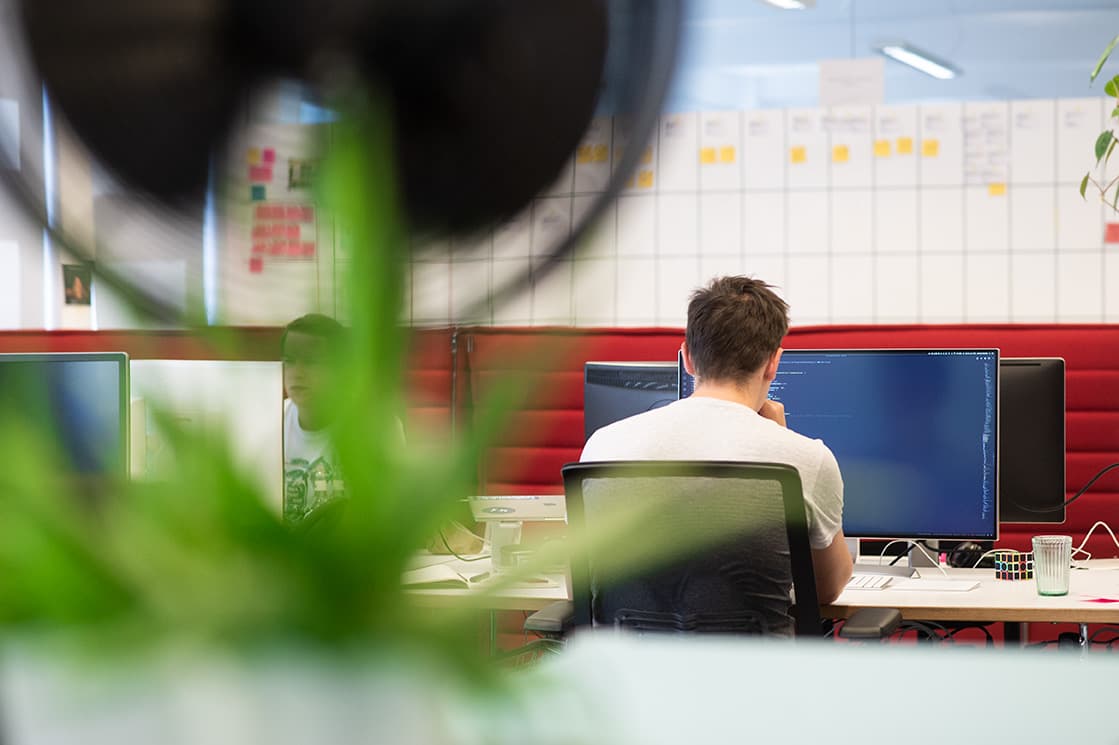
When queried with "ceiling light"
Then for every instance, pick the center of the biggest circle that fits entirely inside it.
(919, 60)
(791, 4)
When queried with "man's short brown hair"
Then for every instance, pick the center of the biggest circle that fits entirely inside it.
(735, 324)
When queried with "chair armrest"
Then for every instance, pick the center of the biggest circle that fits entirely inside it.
(871, 623)
(554, 620)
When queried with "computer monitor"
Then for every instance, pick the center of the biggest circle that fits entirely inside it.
(914, 431)
(1032, 440)
(616, 390)
(244, 400)
(79, 400)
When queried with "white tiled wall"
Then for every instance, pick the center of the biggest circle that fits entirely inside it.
(935, 213)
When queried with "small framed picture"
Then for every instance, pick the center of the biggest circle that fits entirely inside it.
(77, 279)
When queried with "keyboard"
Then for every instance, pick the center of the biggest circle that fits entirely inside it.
(868, 582)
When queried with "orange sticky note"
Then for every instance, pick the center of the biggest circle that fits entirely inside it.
(905, 146)
(601, 154)
(707, 155)
(798, 154)
(840, 154)
(930, 148)
(882, 148)
(1111, 233)
(585, 154)
(645, 180)
(996, 189)
(252, 156)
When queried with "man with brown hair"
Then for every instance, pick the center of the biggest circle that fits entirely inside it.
(732, 346)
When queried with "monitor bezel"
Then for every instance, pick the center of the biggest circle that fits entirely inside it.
(121, 358)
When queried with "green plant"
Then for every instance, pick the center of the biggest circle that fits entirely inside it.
(1105, 142)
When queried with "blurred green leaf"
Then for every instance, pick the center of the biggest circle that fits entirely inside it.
(1102, 143)
(1103, 58)
(1084, 184)
(1112, 87)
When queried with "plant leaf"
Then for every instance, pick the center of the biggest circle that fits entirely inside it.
(1115, 201)
(1112, 87)
(1101, 144)
(1084, 185)
(1103, 58)
(1110, 148)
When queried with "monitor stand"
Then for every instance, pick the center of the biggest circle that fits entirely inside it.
(872, 565)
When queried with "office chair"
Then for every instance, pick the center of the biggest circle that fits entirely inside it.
(714, 548)
(719, 545)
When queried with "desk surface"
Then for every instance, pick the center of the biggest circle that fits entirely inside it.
(996, 600)
(513, 597)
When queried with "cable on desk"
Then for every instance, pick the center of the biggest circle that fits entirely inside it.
(456, 554)
(985, 554)
(912, 545)
(1088, 554)
(1071, 499)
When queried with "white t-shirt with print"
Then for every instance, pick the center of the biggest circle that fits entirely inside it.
(703, 428)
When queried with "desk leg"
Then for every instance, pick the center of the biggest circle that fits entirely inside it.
(1015, 634)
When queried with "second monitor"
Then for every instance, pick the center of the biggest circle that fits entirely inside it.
(914, 431)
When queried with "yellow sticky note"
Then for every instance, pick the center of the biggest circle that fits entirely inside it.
(882, 148)
(645, 180)
(601, 154)
(840, 154)
(647, 156)
(930, 148)
(585, 154)
(798, 154)
(707, 155)
(252, 156)
(726, 154)
(905, 146)
(996, 189)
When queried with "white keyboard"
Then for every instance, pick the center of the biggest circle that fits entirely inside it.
(868, 582)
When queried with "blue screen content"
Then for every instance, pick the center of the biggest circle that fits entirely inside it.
(914, 433)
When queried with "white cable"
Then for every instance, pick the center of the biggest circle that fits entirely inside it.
(985, 554)
(912, 545)
(1087, 554)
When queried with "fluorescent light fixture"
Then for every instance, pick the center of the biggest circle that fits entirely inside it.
(791, 4)
(919, 60)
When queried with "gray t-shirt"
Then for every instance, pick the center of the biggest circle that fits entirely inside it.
(702, 428)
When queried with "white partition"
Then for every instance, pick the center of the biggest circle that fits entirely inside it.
(244, 399)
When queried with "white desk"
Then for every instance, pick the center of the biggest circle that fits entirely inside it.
(522, 597)
(996, 600)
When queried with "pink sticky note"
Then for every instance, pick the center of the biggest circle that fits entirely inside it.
(256, 265)
(260, 248)
(260, 231)
(294, 249)
(277, 248)
(308, 214)
(294, 213)
(263, 212)
(292, 232)
(1101, 600)
(309, 248)
(269, 155)
(277, 230)
(260, 173)
(1111, 235)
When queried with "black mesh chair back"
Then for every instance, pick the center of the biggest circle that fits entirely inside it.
(704, 547)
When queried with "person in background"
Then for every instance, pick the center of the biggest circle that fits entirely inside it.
(311, 349)
(732, 346)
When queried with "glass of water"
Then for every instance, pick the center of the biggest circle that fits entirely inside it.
(1052, 557)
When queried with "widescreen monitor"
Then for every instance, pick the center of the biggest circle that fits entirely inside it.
(78, 401)
(242, 400)
(616, 390)
(1032, 440)
(914, 431)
